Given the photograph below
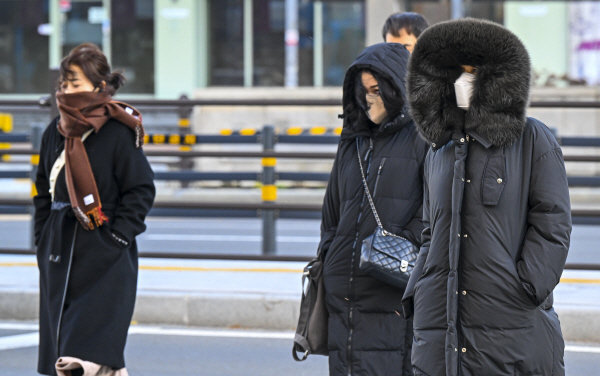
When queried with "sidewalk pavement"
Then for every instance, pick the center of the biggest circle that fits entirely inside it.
(253, 294)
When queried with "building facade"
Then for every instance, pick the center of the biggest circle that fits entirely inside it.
(167, 48)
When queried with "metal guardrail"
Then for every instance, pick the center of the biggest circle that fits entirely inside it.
(45, 102)
(263, 154)
(269, 210)
(183, 106)
(579, 141)
(195, 139)
(215, 256)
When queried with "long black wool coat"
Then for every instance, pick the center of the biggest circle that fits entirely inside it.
(87, 299)
(367, 333)
(496, 212)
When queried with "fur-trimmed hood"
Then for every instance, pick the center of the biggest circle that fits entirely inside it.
(389, 61)
(501, 89)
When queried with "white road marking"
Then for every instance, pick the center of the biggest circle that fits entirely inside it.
(224, 333)
(31, 339)
(227, 238)
(166, 331)
(583, 349)
(18, 326)
(19, 341)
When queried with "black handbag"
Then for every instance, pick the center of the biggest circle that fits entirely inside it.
(311, 332)
(385, 256)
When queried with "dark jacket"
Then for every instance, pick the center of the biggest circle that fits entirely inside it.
(367, 333)
(496, 212)
(86, 302)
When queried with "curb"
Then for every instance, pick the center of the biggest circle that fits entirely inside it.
(218, 310)
(579, 324)
(256, 311)
(207, 310)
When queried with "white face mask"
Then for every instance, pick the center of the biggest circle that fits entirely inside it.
(376, 110)
(463, 87)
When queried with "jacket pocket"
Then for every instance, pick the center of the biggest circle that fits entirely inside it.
(493, 181)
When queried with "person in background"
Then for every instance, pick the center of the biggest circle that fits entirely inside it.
(94, 189)
(367, 333)
(404, 28)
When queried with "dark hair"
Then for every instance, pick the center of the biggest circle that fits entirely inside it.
(413, 23)
(94, 65)
(392, 99)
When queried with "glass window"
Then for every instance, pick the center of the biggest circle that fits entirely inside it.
(343, 38)
(306, 43)
(23, 51)
(132, 39)
(79, 27)
(269, 47)
(226, 43)
(435, 11)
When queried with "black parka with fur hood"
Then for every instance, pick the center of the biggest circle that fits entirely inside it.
(496, 212)
(367, 334)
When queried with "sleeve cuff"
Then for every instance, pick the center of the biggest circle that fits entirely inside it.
(119, 239)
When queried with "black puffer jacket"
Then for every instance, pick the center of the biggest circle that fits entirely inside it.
(496, 212)
(367, 334)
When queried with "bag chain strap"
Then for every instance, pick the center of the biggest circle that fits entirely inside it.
(368, 193)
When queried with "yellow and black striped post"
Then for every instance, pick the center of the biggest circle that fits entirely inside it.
(184, 127)
(269, 192)
(6, 125)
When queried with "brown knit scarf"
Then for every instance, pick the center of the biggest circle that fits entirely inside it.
(80, 112)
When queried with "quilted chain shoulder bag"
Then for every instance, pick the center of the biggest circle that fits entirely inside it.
(385, 256)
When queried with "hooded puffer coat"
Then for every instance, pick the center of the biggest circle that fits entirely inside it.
(367, 333)
(496, 212)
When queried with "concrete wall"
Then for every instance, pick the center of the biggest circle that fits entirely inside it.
(210, 119)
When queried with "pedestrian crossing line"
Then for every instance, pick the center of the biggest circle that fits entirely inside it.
(587, 281)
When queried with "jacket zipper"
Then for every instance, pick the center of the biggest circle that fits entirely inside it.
(64, 298)
(379, 171)
(367, 158)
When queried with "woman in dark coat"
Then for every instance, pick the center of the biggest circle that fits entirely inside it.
(496, 211)
(87, 215)
(367, 333)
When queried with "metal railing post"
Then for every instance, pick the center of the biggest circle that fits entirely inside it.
(184, 124)
(36, 142)
(269, 192)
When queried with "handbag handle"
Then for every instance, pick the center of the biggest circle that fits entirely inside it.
(368, 193)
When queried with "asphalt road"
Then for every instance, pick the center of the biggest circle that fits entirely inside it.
(198, 352)
(153, 351)
(243, 236)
